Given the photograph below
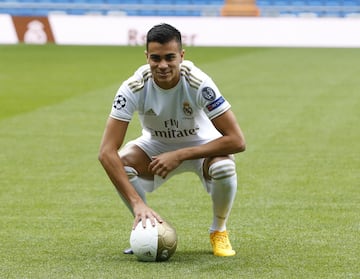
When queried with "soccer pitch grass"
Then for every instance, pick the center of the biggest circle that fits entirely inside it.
(296, 214)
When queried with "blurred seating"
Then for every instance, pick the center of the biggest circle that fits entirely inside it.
(309, 8)
(268, 8)
(113, 7)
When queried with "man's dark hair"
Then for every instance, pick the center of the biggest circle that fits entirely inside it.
(163, 33)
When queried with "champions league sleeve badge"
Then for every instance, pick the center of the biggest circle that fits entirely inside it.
(208, 93)
(119, 102)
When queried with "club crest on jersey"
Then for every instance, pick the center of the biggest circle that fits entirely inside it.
(119, 102)
(218, 102)
(187, 109)
(208, 93)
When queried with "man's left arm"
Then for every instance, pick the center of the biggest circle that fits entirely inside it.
(232, 141)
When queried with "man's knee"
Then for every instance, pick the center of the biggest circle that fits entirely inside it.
(222, 169)
(131, 172)
(134, 157)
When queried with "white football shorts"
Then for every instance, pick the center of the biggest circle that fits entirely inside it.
(153, 148)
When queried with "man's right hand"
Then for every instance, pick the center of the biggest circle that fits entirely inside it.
(143, 212)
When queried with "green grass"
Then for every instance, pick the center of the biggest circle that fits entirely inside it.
(297, 210)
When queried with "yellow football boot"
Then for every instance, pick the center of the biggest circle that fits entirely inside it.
(221, 244)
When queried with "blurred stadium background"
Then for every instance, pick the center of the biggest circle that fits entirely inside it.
(197, 8)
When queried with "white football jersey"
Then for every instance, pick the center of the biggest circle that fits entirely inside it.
(180, 114)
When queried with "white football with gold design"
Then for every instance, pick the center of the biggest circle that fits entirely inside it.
(152, 244)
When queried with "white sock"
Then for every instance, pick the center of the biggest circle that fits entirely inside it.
(138, 183)
(223, 192)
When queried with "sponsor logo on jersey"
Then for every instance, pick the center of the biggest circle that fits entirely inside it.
(208, 93)
(174, 133)
(119, 102)
(172, 130)
(218, 102)
(187, 109)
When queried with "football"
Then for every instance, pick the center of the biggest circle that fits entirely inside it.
(153, 244)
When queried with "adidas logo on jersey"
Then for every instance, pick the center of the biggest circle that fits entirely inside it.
(150, 112)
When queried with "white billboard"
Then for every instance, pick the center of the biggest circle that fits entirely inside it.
(210, 31)
(7, 30)
(198, 31)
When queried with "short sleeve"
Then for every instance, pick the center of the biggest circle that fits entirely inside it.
(124, 104)
(211, 100)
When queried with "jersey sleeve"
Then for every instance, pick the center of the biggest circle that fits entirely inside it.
(211, 100)
(126, 100)
(124, 104)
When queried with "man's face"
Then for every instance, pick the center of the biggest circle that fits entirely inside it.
(164, 61)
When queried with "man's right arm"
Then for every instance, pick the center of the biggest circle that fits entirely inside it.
(112, 140)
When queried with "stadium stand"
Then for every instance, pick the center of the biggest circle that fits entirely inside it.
(240, 8)
(265, 8)
(309, 8)
(112, 7)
